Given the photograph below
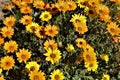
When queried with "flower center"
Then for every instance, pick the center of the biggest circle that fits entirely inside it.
(79, 28)
(91, 12)
(80, 43)
(32, 68)
(7, 32)
(11, 47)
(52, 55)
(45, 16)
(57, 77)
(23, 56)
(112, 30)
(88, 57)
(50, 31)
(77, 20)
(33, 28)
(7, 63)
(91, 65)
(36, 77)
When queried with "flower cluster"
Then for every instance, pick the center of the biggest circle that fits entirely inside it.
(60, 40)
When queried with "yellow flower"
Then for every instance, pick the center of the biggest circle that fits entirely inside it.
(9, 21)
(104, 57)
(37, 75)
(7, 32)
(57, 75)
(7, 63)
(88, 48)
(39, 4)
(105, 77)
(32, 66)
(45, 16)
(91, 66)
(26, 19)
(23, 55)
(53, 55)
(51, 30)
(32, 27)
(26, 10)
(81, 43)
(50, 44)
(82, 3)
(72, 5)
(70, 47)
(0, 70)
(11, 46)
(113, 28)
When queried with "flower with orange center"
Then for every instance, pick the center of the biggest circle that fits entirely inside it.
(8, 6)
(89, 56)
(11, 46)
(81, 43)
(7, 31)
(9, 21)
(26, 19)
(62, 5)
(1, 40)
(81, 28)
(37, 75)
(23, 55)
(21, 4)
(102, 9)
(7, 62)
(51, 30)
(26, 10)
(39, 4)
(40, 33)
(113, 29)
(45, 16)
(50, 44)
(72, 5)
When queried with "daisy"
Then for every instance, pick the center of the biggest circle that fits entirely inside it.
(11, 46)
(105, 77)
(50, 44)
(51, 30)
(9, 21)
(26, 19)
(57, 75)
(32, 66)
(45, 16)
(7, 31)
(91, 66)
(40, 33)
(7, 62)
(23, 55)
(32, 27)
(81, 43)
(53, 55)
(37, 75)
(26, 10)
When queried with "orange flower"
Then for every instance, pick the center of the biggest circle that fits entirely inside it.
(1, 40)
(7, 32)
(28, 1)
(2, 77)
(102, 9)
(9, 21)
(26, 10)
(51, 30)
(40, 33)
(105, 18)
(26, 19)
(39, 4)
(11, 46)
(50, 44)
(81, 43)
(93, 3)
(113, 28)
(7, 62)
(81, 28)
(8, 6)
(62, 5)
(72, 5)
(23, 55)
